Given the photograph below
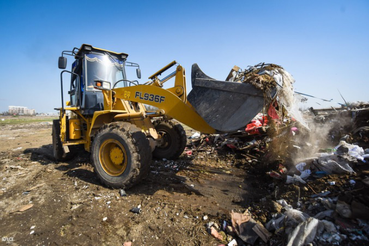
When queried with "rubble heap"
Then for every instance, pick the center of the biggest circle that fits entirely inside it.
(318, 178)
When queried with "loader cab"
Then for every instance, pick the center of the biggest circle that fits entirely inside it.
(94, 64)
(97, 66)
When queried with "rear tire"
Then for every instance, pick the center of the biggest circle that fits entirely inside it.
(173, 140)
(58, 151)
(121, 155)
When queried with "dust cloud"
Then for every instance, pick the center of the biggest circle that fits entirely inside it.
(307, 134)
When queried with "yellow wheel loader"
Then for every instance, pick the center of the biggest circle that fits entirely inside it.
(106, 112)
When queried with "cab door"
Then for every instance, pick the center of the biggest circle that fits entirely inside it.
(75, 85)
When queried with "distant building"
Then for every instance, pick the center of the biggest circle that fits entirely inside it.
(19, 110)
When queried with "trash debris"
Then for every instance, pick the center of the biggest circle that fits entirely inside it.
(276, 223)
(13, 167)
(305, 173)
(195, 135)
(216, 234)
(304, 232)
(247, 229)
(350, 149)
(332, 165)
(275, 175)
(35, 187)
(122, 192)
(294, 179)
(343, 209)
(136, 210)
(321, 194)
(255, 127)
(189, 152)
(214, 230)
(25, 207)
(232, 243)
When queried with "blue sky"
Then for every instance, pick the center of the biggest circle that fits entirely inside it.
(323, 44)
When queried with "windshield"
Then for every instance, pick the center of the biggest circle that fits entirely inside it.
(103, 67)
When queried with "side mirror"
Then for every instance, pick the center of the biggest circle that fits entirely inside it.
(62, 63)
(138, 72)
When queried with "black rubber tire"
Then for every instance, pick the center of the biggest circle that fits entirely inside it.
(137, 154)
(174, 140)
(58, 151)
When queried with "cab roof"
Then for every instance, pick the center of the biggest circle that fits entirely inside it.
(87, 48)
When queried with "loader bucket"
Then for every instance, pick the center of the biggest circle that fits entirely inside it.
(225, 106)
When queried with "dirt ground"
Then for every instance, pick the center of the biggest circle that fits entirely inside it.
(44, 202)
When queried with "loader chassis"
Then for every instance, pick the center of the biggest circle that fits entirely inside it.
(107, 116)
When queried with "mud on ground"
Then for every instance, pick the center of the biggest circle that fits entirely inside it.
(43, 202)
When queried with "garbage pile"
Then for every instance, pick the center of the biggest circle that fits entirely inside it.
(318, 178)
(277, 85)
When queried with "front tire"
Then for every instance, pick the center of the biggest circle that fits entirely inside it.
(173, 140)
(121, 155)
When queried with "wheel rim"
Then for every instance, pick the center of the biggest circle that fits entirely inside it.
(165, 140)
(113, 157)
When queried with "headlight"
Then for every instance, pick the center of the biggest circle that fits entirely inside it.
(102, 85)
